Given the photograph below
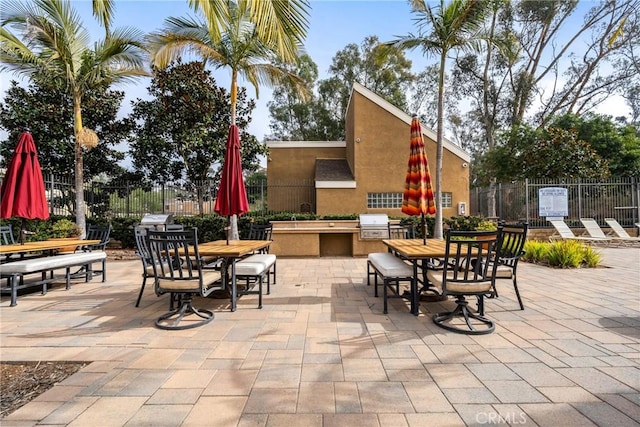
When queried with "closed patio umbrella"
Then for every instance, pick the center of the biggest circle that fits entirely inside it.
(22, 190)
(418, 198)
(232, 195)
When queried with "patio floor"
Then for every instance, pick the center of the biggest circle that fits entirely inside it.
(321, 353)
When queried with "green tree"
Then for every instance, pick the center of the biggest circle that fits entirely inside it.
(450, 27)
(552, 152)
(227, 37)
(619, 144)
(50, 39)
(282, 24)
(293, 116)
(182, 131)
(48, 112)
(381, 68)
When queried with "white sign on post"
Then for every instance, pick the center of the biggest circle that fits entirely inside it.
(553, 202)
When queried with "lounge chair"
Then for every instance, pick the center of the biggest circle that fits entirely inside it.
(593, 230)
(564, 233)
(621, 233)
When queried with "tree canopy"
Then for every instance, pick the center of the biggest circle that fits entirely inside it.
(182, 130)
(47, 110)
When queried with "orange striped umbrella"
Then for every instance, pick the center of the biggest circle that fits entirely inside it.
(418, 193)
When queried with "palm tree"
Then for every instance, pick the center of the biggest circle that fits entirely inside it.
(235, 42)
(282, 24)
(52, 43)
(453, 26)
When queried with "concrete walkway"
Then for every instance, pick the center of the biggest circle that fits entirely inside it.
(321, 353)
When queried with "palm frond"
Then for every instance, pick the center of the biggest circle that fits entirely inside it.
(15, 56)
(281, 23)
(178, 36)
(216, 14)
(103, 10)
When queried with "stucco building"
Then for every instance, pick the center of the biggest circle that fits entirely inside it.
(365, 173)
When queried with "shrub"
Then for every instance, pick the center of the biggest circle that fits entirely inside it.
(486, 225)
(591, 257)
(65, 228)
(535, 251)
(564, 254)
(466, 223)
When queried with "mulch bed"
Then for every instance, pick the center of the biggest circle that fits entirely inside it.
(21, 382)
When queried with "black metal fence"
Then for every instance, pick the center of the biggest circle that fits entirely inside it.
(131, 199)
(518, 201)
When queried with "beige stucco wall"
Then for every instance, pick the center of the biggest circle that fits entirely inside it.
(380, 143)
(377, 151)
(292, 165)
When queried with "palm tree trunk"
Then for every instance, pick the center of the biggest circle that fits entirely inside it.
(437, 230)
(79, 184)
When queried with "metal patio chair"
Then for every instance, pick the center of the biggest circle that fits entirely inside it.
(178, 270)
(467, 271)
(512, 240)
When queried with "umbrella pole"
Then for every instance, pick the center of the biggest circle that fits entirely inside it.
(424, 229)
(23, 230)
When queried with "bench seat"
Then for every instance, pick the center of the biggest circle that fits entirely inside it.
(257, 267)
(17, 269)
(392, 270)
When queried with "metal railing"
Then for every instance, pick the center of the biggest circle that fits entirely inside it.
(131, 199)
(518, 201)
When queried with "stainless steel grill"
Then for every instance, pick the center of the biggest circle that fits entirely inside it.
(157, 221)
(374, 226)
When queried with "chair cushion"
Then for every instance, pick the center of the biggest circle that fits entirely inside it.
(504, 272)
(389, 265)
(266, 259)
(193, 285)
(51, 262)
(436, 278)
(250, 268)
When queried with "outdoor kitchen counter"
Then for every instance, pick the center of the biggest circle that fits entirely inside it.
(321, 238)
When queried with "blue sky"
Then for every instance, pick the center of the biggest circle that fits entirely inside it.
(332, 25)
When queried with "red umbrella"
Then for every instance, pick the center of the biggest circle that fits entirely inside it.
(232, 196)
(418, 194)
(22, 188)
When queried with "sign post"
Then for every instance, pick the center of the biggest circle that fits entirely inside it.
(553, 202)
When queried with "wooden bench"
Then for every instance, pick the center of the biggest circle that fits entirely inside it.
(14, 271)
(257, 266)
(392, 270)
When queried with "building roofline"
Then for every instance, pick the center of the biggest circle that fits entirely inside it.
(306, 144)
(386, 105)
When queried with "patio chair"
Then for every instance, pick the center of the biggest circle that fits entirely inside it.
(178, 270)
(143, 252)
(6, 235)
(94, 232)
(593, 230)
(623, 237)
(466, 272)
(258, 266)
(563, 232)
(512, 240)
